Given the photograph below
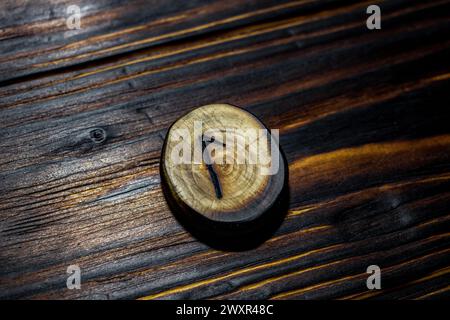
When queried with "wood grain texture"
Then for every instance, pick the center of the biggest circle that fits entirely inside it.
(363, 117)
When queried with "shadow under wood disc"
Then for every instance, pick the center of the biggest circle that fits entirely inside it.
(225, 177)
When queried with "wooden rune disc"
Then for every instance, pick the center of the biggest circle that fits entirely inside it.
(221, 168)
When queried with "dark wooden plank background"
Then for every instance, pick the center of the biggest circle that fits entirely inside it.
(364, 123)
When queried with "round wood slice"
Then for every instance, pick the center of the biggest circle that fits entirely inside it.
(225, 184)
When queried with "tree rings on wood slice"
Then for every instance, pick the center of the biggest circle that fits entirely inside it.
(225, 176)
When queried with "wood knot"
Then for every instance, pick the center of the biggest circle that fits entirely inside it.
(97, 135)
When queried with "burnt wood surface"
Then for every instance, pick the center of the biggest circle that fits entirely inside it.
(363, 118)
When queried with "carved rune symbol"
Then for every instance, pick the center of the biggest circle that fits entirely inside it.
(210, 167)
